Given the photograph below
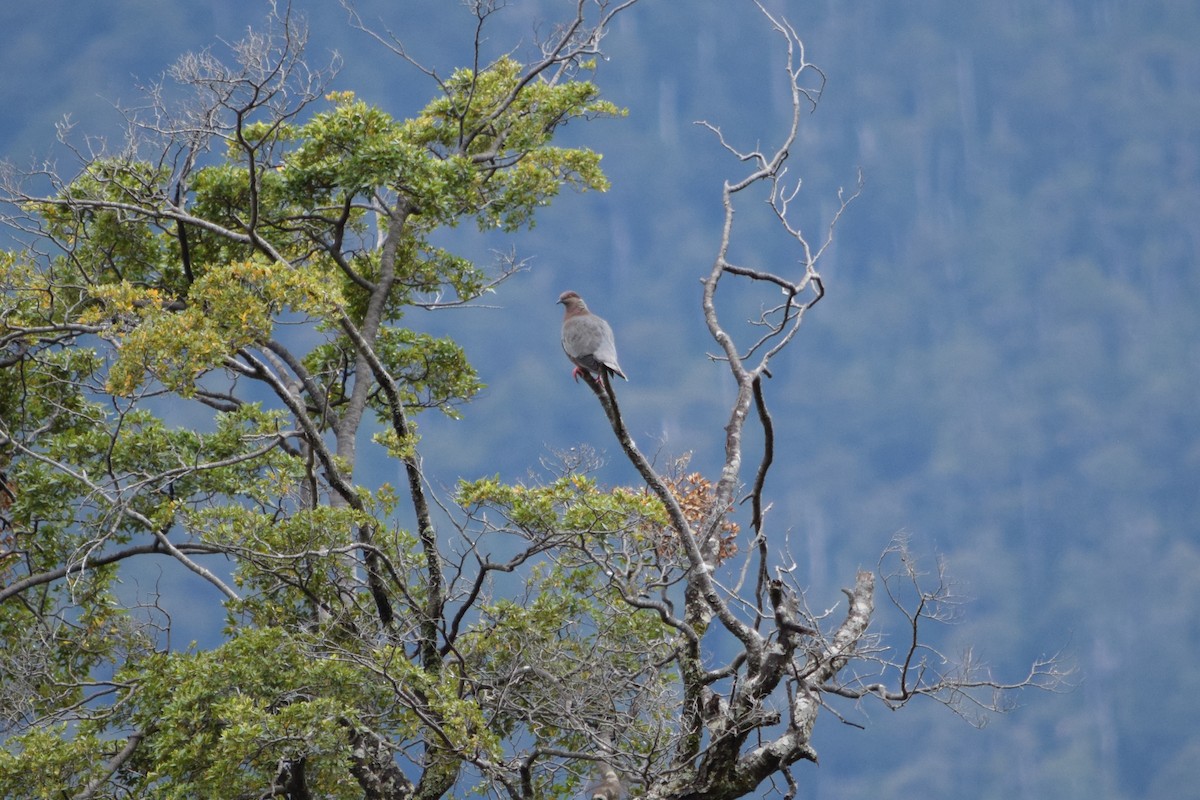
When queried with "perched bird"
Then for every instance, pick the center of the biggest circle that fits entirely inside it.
(587, 339)
(609, 787)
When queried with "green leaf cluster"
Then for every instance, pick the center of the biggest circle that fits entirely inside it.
(229, 307)
(490, 133)
(570, 504)
(223, 720)
(571, 636)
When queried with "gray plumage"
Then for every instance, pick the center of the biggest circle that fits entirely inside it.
(587, 339)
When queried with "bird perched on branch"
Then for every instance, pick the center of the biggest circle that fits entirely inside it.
(587, 339)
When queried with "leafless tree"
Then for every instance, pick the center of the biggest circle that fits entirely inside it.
(750, 719)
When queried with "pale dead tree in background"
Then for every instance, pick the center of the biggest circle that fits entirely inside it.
(750, 719)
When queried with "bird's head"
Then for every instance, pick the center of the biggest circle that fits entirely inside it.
(572, 301)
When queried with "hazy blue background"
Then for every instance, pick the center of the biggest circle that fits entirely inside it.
(1006, 366)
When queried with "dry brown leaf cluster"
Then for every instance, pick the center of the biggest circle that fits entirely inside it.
(696, 497)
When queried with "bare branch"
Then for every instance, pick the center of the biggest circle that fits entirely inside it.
(132, 742)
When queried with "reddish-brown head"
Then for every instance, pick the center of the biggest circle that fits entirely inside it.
(573, 304)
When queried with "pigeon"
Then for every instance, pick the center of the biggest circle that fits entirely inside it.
(587, 339)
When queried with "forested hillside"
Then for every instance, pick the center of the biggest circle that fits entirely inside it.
(1006, 367)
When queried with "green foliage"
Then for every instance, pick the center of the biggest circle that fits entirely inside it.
(572, 503)
(104, 231)
(229, 307)
(571, 638)
(463, 128)
(190, 368)
(223, 719)
(351, 148)
(46, 762)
